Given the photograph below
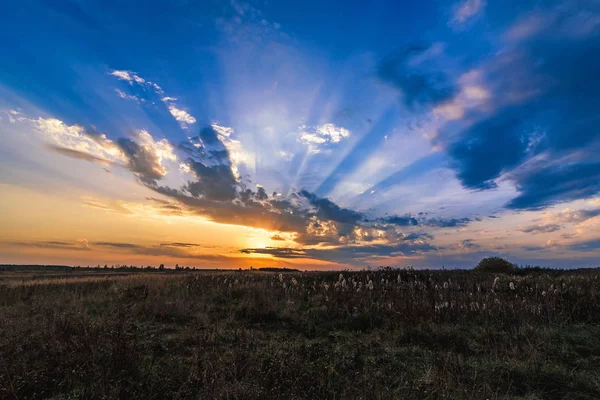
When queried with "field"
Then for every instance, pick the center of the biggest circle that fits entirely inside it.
(248, 335)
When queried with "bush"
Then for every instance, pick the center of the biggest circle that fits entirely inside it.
(496, 264)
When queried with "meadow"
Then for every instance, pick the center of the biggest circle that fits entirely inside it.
(385, 334)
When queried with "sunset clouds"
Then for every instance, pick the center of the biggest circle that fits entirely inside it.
(245, 138)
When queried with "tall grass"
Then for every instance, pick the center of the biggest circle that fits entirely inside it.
(383, 334)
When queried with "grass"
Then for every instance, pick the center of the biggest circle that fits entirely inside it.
(246, 335)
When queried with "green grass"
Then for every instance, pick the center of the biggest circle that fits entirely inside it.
(255, 335)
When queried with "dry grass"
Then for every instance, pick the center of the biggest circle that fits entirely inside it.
(422, 335)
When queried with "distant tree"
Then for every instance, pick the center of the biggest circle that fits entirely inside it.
(496, 264)
(161, 267)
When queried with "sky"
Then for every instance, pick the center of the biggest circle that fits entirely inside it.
(311, 135)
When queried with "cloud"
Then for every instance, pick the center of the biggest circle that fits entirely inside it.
(117, 245)
(422, 220)
(179, 244)
(125, 96)
(320, 136)
(412, 71)
(541, 228)
(145, 156)
(329, 211)
(278, 252)
(553, 184)
(80, 155)
(448, 222)
(572, 216)
(181, 116)
(56, 244)
(405, 220)
(217, 193)
(466, 10)
(122, 75)
(213, 182)
(468, 244)
(349, 254)
(167, 207)
(538, 129)
(175, 250)
(585, 246)
(75, 142)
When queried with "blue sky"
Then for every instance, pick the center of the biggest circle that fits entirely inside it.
(399, 133)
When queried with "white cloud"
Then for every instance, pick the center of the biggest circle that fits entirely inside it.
(315, 137)
(182, 116)
(335, 133)
(15, 116)
(126, 96)
(122, 75)
(162, 148)
(466, 10)
(237, 154)
(286, 155)
(128, 76)
(222, 130)
(74, 137)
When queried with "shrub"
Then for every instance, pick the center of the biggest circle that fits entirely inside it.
(495, 264)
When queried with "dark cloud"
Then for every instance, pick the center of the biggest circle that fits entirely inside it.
(587, 245)
(554, 184)
(80, 155)
(175, 250)
(117, 245)
(55, 244)
(541, 228)
(279, 252)
(578, 216)
(235, 212)
(541, 127)
(421, 220)
(167, 207)
(277, 237)
(143, 162)
(353, 254)
(408, 71)
(206, 147)
(329, 211)
(469, 244)
(178, 244)
(350, 254)
(534, 248)
(406, 220)
(214, 182)
(449, 222)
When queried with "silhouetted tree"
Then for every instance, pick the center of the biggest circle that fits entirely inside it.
(495, 264)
